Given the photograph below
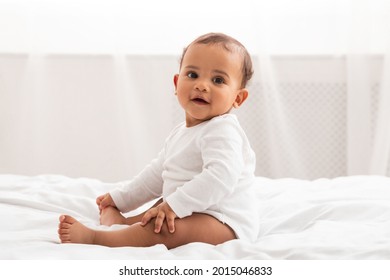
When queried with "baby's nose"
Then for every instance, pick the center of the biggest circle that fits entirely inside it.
(201, 86)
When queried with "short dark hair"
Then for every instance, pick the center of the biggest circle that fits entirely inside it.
(230, 44)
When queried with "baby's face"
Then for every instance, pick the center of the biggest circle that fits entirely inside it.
(209, 82)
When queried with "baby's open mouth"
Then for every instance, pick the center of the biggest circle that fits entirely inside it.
(200, 101)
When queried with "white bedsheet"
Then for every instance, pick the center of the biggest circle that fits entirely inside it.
(341, 218)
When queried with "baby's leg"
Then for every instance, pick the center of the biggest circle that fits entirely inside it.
(111, 215)
(195, 228)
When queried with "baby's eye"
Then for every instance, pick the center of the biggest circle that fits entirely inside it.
(218, 80)
(192, 75)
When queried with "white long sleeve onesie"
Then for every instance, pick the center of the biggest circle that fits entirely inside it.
(207, 168)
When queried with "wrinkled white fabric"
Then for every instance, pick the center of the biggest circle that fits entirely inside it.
(328, 219)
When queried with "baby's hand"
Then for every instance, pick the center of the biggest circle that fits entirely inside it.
(162, 212)
(104, 201)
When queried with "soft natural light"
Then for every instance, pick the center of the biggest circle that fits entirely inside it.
(95, 100)
(152, 26)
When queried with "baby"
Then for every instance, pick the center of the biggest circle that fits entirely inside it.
(204, 173)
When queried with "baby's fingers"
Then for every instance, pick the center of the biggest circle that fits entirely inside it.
(106, 201)
(171, 223)
(159, 222)
(99, 200)
(150, 214)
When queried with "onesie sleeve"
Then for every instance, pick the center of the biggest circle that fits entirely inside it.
(221, 148)
(146, 186)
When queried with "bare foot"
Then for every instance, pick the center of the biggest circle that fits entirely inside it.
(111, 216)
(72, 231)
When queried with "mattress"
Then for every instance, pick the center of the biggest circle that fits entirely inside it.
(344, 218)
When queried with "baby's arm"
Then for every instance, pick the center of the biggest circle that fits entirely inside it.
(222, 148)
(144, 187)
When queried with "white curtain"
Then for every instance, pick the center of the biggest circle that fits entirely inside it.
(368, 95)
(86, 87)
(334, 121)
(98, 116)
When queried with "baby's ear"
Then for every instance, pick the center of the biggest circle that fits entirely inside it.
(240, 98)
(175, 78)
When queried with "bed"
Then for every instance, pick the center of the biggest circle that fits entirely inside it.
(324, 219)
